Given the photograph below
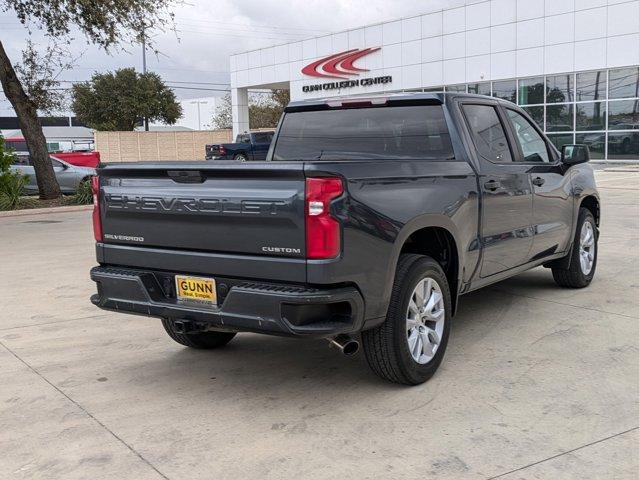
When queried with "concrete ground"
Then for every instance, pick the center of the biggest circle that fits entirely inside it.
(538, 382)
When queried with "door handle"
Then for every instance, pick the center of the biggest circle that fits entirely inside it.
(538, 181)
(492, 185)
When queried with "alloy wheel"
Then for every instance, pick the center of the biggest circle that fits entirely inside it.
(425, 319)
(587, 247)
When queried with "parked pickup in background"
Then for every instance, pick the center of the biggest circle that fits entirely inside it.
(368, 221)
(247, 147)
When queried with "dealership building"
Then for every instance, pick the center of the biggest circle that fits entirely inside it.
(573, 65)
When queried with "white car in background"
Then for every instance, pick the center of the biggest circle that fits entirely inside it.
(69, 176)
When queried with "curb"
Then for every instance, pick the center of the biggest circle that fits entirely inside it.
(41, 211)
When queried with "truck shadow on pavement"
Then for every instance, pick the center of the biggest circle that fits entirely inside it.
(263, 362)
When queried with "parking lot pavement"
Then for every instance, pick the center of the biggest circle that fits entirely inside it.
(538, 382)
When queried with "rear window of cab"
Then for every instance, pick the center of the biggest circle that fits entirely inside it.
(390, 132)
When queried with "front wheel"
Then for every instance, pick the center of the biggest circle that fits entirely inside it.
(409, 346)
(583, 261)
(205, 340)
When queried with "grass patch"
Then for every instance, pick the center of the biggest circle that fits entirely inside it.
(31, 202)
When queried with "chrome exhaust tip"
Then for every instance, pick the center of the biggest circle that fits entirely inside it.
(346, 344)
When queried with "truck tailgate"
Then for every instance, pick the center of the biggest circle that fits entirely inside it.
(225, 207)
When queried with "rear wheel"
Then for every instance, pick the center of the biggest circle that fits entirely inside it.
(205, 340)
(240, 157)
(409, 346)
(583, 260)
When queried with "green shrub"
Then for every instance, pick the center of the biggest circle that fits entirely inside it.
(11, 183)
(84, 194)
(11, 189)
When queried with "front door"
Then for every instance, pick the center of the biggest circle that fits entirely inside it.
(552, 199)
(506, 229)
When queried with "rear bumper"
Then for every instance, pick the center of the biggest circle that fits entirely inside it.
(276, 309)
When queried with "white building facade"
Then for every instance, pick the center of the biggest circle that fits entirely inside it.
(572, 64)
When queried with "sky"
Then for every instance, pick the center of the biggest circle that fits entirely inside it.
(195, 61)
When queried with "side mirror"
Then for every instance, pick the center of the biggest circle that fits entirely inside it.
(574, 154)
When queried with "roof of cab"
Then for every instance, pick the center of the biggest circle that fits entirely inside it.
(437, 97)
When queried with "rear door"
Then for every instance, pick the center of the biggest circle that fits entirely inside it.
(261, 144)
(552, 199)
(206, 207)
(506, 191)
(22, 165)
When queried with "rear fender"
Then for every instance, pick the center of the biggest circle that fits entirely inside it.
(418, 223)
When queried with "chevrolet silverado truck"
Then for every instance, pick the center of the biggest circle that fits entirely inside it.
(247, 147)
(368, 221)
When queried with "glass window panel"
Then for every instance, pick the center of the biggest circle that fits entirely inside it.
(506, 90)
(591, 116)
(624, 83)
(532, 144)
(559, 88)
(537, 114)
(479, 88)
(623, 115)
(559, 118)
(623, 145)
(488, 133)
(531, 91)
(434, 89)
(591, 86)
(561, 140)
(393, 132)
(456, 88)
(596, 143)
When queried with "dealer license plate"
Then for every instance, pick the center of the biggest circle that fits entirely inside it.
(196, 289)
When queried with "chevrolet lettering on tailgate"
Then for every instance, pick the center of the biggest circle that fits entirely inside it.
(192, 204)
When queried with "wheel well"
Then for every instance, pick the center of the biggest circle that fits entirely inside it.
(439, 244)
(592, 204)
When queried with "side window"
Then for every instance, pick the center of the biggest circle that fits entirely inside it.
(56, 164)
(488, 133)
(263, 137)
(532, 144)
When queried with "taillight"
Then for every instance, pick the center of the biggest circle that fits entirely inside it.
(323, 238)
(222, 151)
(97, 221)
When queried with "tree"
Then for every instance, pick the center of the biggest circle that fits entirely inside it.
(38, 72)
(223, 117)
(105, 23)
(117, 101)
(265, 109)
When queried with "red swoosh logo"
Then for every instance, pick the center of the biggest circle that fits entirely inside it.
(339, 65)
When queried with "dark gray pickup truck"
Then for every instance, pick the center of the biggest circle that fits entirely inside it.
(367, 222)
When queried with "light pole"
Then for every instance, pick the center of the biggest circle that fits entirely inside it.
(199, 102)
(146, 120)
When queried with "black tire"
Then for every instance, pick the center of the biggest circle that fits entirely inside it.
(386, 346)
(240, 157)
(574, 277)
(205, 341)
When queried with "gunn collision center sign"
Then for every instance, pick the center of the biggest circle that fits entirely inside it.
(341, 67)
